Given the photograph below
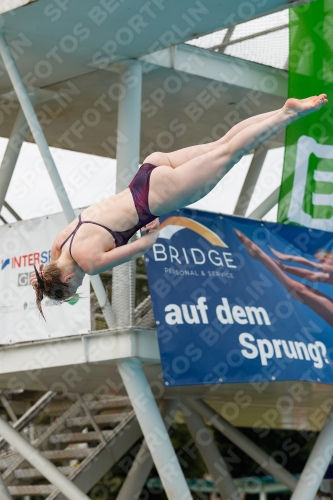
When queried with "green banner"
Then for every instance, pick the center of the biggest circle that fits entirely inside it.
(306, 195)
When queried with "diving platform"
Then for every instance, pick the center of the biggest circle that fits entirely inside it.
(88, 364)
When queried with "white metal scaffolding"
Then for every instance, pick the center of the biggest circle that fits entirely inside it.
(47, 469)
(157, 447)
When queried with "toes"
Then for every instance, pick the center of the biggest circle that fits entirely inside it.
(323, 98)
(318, 101)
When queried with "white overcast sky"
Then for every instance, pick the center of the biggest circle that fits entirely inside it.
(89, 178)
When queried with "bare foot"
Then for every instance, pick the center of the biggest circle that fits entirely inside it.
(302, 107)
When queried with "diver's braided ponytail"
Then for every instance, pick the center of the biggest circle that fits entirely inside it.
(49, 284)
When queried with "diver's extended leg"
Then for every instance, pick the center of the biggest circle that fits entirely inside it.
(177, 158)
(176, 188)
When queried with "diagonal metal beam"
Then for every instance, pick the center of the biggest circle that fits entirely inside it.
(244, 443)
(91, 418)
(226, 40)
(4, 493)
(266, 205)
(251, 180)
(29, 415)
(51, 167)
(37, 460)
(8, 408)
(35, 127)
(316, 466)
(12, 211)
(269, 202)
(104, 457)
(215, 463)
(153, 429)
(12, 153)
(143, 463)
(226, 43)
(57, 425)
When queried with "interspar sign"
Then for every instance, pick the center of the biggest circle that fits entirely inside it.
(26, 260)
(236, 300)
(22, 245)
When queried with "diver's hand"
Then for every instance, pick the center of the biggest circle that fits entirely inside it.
(150, 234)
(152, 227)
(280, 255)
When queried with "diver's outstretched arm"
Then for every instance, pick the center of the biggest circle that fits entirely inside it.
(296, 258)
(306, 274)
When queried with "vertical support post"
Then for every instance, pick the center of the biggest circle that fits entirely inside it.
(317, 463)
(325, 487)
(128, 152)
(103, 300)
(44, 149)
(132, 374)
(154, 430)
(262, 495)
(136, 478)
(129, 123)
(251, 180)
(37, 460)
(216, 466)
(11, 154)
(4, 493)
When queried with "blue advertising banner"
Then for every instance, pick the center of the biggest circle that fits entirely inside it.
(238, 300)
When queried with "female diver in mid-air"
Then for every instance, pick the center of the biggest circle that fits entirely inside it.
(165, 182)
